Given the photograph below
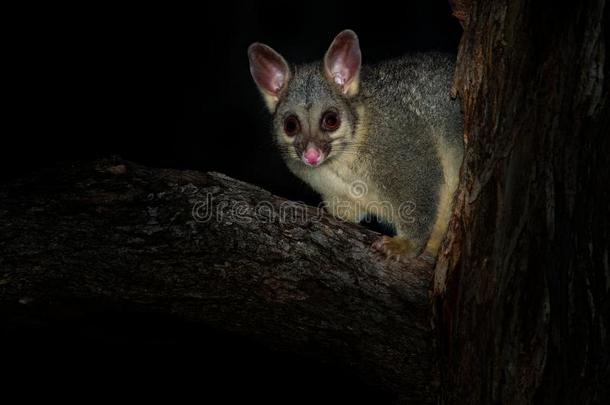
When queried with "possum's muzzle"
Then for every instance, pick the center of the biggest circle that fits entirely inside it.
(313, 155)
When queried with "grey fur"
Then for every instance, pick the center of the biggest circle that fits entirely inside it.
(408, 110)
(411, 101)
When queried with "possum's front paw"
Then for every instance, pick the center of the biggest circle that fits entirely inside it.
(395, 248)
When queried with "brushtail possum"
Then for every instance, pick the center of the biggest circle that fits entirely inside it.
(384, 140)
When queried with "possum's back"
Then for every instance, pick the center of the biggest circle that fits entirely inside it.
(419, 83)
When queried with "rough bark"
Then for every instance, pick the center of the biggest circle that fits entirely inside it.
(522, 285)
(114, 232)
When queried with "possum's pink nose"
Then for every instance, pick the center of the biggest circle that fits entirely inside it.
(312, 155)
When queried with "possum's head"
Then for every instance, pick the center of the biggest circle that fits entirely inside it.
(313, 118)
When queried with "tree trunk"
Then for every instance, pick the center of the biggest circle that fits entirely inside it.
(521, 287)
(207, 248)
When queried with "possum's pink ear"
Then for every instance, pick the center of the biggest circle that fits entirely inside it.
(342, 62)
(269, 71)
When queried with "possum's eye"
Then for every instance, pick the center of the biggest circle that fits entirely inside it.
(330, 121)
(291, 125)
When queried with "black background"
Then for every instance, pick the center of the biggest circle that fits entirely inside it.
(169, 86)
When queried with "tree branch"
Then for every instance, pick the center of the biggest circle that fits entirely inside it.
(113, 231)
